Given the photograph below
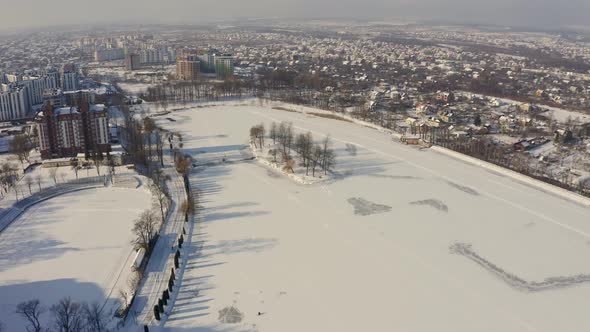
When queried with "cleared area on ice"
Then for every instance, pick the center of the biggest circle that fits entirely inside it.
(375, 248)
(76, 245)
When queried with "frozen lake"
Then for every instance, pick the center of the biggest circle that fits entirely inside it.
(371, 249)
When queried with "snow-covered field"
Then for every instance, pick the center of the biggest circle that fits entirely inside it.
(76, 245)
(376, 248)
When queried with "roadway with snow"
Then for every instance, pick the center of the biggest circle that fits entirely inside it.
(376, 247)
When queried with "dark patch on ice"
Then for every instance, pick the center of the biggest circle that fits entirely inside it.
(395, 177)
(363, 207)
(230, 315)
(515, 281)
(272, 174)
(351, 149)
(343, 175)
(464, 189)
(435, 203)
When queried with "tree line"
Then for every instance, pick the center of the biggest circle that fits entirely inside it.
(65, 316)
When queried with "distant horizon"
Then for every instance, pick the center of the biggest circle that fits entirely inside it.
(539, 14)
(242, 20)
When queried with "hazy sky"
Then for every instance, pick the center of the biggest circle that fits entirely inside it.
(539, 13)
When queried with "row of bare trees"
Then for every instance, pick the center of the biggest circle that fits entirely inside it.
(65, 316)
(312, 156)
(144, 141)
(189, 91)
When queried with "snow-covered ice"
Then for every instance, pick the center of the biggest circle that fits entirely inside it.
(301, 257)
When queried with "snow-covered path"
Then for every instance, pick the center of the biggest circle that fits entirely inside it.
(302, 257)
(158, 270)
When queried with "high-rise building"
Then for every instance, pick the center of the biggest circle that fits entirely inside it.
(109, 54)
(132, 61)
(70, 81)
(224, 65)
(68, 131)
(55, 98)
(14, 103)
(69, 78)
(187, 67)
(36, 87)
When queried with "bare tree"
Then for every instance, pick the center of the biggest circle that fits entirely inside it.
(159, 190)
(182, 163)
(53, 174)
(274, 132)
(160, 147)
(289, 137)
(329, 160)
(273, 153)
(29, 183)
(316, 158)
(38, 180)
(97, 158)
(21, 147)
(75, 167)
(289, 163)
(144, 230)
(67, 316)
(261, 134)
(285, 137)
(31, 311)
(257, 134)
(15, 189)
(328, 155)
(8, 177)
(95, 320)
(304, 146)
(149, 126)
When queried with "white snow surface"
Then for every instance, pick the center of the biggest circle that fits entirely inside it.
(300, 256)
(135, 88)
(77, 245)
